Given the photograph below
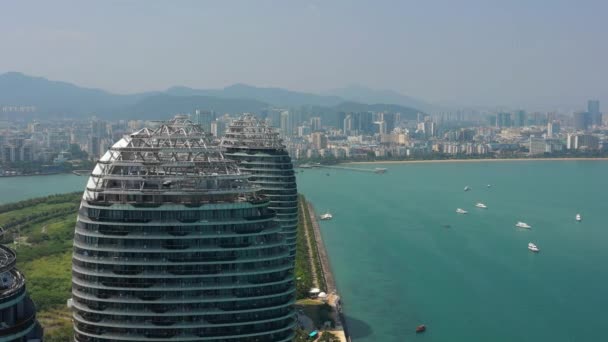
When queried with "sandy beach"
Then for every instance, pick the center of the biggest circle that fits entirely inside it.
(473, 160)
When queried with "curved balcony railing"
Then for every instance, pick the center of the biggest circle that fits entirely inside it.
(164, 223)
(8, 259)
(175, 299)
(178, 232)
(196, 309)
(175, 322)
(173, 248)
(20, 326)
(282, 334)
(170, 294)
(208, 261)
(16, 289)
(174, 284)
(177, 259)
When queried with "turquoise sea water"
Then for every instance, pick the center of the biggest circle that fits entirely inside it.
(398, 266)
(13, 189)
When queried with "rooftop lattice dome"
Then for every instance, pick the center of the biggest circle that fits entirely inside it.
(175, 157)
(249, 132)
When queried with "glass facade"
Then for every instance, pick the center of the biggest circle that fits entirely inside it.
(172, 243)
(17, 312)
(261, 153)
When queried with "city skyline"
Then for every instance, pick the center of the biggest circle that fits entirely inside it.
(516, 54)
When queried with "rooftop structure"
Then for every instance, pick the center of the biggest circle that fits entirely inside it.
(17, 312)
(248, 132)
(172, 243)
(261, 152)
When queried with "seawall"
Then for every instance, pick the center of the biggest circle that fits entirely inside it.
(334, 298)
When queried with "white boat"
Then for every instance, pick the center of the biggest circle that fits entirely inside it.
(326, 216)
(523, 225)
(380, 170)
(533, 247)
(481, 205)
(578, 217)
(489, 185)
(466, 188)
(461, 211)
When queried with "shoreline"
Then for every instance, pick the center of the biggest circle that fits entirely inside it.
(334, 298)
(471, 160)
(34, 174)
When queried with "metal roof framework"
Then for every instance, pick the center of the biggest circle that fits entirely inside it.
(249, 132)
(177, 157)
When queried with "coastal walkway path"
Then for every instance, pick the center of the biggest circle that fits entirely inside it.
(311, 261)
(333, 298)
(322, 252)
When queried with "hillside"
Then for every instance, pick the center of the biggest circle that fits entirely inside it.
(54, 99)
(59, 98)
(362, 94)
(164, 106)
(276, 96)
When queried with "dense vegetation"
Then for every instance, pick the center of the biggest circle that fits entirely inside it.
(313, 244)
(304, 269)
(41, 231)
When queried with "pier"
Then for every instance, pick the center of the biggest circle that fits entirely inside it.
(82, 172)
(378, 170)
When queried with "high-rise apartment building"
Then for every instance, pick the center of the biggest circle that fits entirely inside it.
(553, 128)
(16, 149)
(288, 123)
(347, 126)
(319, 140)
(217, 128)
(503, 120)
(582, 121)
(593, 108)
(204, 118)
(382, 127)
(315, 123)
(172, 243)
(520, 118)
(17, 312)
(582, 141)
(261, 153)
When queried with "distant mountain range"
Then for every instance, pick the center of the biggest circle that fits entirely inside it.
(275, 96)
(61, 99)
(357, 93)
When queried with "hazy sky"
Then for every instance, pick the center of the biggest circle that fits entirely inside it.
(465, 52)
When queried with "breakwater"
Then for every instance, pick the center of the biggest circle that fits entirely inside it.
(348, 168)
(334, 300)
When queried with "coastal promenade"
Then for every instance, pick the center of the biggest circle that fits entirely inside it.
(322, 252)
(333, 299)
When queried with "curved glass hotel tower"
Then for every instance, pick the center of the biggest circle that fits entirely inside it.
(17, 312)
(261, 153)
(173, 244)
